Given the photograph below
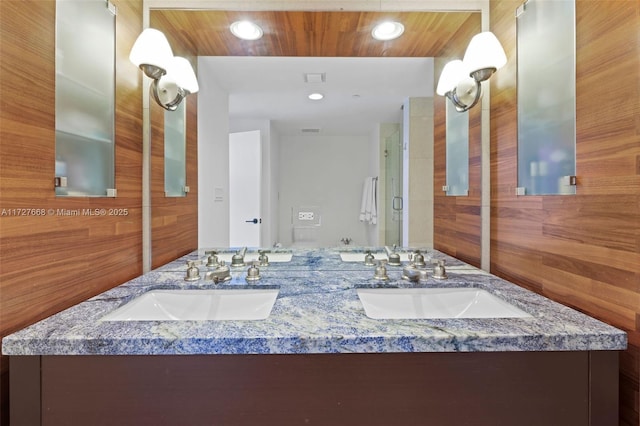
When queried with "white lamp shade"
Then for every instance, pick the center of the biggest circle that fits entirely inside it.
(180, 71)
(451, 75)
(151, 48)
(484, 51)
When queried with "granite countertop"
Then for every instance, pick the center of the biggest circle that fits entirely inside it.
(317, 311)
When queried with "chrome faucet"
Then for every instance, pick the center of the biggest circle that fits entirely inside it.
(414, 274)
(222, 273)
(238, 258)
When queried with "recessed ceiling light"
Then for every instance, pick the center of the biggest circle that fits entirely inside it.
(387, 30)
(246, 30)
(316, 96)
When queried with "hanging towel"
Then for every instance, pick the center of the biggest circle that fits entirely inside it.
(368, 207)
(366, 196)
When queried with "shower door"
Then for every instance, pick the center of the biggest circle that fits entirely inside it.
(393, 189)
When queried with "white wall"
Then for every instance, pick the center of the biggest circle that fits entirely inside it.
(273, 170)
(328, 172)
(213, 162)
(418, 172)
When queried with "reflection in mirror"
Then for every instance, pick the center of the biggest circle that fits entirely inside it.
(320, 153)
(457, 142)
(546, 97)
(308, 162)
(392, 176)
(175, 170)
(85, 97)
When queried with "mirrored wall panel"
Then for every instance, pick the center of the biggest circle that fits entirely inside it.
(457, 141)
(546, 97)
(175, 168)
(85, 97)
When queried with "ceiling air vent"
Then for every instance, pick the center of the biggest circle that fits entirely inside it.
(319, 77)
(310, 130)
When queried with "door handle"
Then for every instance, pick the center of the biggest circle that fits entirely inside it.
(254, 221)
(396, 203)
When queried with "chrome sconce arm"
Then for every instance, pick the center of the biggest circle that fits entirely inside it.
(167, 94)
(462, 93)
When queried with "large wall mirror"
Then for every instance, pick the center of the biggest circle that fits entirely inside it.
(85, 98)
(457, 143)
(336, 35)
(175, 166)
(546, 97)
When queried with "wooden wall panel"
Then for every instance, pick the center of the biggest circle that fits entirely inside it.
(51, 262)
(457, 222)
(582, 250)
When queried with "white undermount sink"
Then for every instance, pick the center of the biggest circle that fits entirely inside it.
(415, 303)
(346, 256)
(197, 305)
(277, 257)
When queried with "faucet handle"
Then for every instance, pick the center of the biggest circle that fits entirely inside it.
(381, 271)
(212, 259)
(238, 258)
(263, 259)
(193, 273)
(439, 271)
(253, 273)
(369, 259)
(418, 259)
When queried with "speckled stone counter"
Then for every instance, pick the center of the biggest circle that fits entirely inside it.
(317, 311)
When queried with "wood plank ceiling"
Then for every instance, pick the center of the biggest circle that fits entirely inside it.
(303, 33)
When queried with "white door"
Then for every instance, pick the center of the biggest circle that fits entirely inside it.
(245, 168)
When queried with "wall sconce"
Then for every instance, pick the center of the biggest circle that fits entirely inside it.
(460, 79)
(173, 76)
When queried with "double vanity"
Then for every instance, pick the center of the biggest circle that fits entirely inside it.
(342, 336)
